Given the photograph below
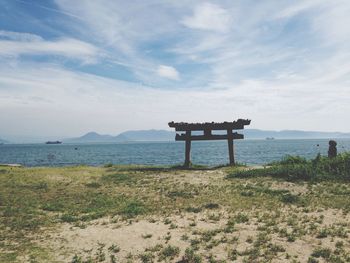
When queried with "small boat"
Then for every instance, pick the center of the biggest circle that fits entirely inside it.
(53, 142)
(270, 138)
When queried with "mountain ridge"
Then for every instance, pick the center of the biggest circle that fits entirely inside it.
(165, 135)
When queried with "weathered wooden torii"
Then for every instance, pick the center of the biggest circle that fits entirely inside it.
(207, 129)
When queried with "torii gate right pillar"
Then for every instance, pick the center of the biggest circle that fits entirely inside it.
(188, 150)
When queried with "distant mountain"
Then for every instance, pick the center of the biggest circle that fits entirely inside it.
(163, 135)
(149, 135)
(93, 137)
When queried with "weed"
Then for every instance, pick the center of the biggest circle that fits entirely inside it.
(169, 252)
(114, 248)
(289, 198)
(211, 206)
(193, 209)
(133, 208)
(322, 252)
(241, 218)
(93, 185)
(146, 257)
(191, 257)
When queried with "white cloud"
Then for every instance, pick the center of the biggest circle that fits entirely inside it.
(207, 16)
(168, 72)
(284, 65)
(13, 44)
(47, 99)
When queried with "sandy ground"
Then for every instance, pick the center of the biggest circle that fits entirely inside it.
(131, 237)
(135, 237)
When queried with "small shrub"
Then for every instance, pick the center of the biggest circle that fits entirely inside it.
(323, 233)
(290, 160)
(294, 168)
(53, 207)
(167, 221)
(289, 198)
(169, 252)
(193, 209)
(146, 257)
(241, 218)
(69, 218)
(76, 259)
(247, 193)
(133, 208)
(93, 185)
(322, 252)
(114, 248)
(212, 206)
(40, 186)
(191, 257)
(312, 260)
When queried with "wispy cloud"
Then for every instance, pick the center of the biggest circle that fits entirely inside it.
(13, 44)
(208, 16)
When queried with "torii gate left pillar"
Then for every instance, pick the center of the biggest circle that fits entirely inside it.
(188, 149)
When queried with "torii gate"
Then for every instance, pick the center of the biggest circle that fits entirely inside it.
(207, 129)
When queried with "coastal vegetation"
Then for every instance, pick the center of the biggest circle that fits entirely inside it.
(295, 210)
(294, 168)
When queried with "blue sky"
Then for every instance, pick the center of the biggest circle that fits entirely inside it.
(68, 67)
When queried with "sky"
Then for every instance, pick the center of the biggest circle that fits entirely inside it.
(70, 67)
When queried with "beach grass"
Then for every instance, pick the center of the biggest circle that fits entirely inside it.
(214, 214)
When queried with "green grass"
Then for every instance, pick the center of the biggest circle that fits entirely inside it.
(294, 168)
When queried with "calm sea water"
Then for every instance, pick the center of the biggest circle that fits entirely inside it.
(163, 153)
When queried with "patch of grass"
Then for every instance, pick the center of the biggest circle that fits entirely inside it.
(146, 257)
(322, 252)
(289, 198)
(180, 193)
(192, 209)
(119, 178)
(53, 206)
(295, 168)
(241, 218)
(169, 252)
(133, 208)
(93, 185)
(191, 257)
(290, 160)
(211, 206)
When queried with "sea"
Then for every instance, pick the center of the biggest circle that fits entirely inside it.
(210, 153)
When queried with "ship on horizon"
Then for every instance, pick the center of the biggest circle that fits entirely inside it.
(53, 142)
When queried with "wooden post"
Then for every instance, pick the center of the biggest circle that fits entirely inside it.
(188, 149)
(230, 147)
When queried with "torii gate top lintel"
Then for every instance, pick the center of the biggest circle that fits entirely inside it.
(207, 129)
